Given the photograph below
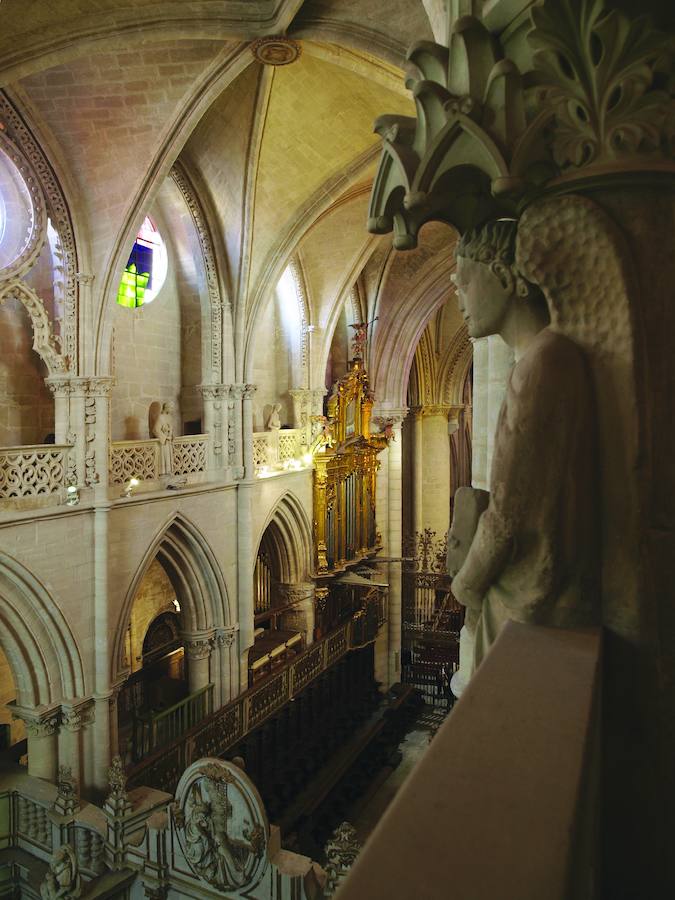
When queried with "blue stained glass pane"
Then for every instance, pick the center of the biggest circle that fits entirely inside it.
(141, 257)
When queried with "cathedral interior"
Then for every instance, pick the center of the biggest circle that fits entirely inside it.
(337, 449)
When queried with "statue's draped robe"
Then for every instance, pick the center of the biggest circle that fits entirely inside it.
(534, 557)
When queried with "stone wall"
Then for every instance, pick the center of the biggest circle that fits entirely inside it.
(7, 694)
(155, 595)
(26, 405)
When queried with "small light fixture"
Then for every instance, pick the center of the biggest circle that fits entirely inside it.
(307, 459)
(129, 489)
(72, 495)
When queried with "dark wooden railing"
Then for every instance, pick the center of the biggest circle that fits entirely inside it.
(228, 725)
(156, 729)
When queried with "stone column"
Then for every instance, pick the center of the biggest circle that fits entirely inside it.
(42, 733)
(302, 410)
(97, 434)
(226, 664)
(77, 427)
(101, 741)
(245, 564)
(60, 387)
(418, 470)
(215, 412)
(317, 401)
(302, 616)
(237, 458)
(436, 483)
(198, 652)
(395, 537)
(247, 430)
(73, 718)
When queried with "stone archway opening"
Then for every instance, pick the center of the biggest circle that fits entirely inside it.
(282, 596)
(155, 655)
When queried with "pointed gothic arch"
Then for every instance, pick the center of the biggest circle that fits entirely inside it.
(40, 647)
(195, 575)
(288, 534)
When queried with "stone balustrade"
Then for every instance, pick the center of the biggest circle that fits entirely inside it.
(140, 459)
(504, 802)
(134, 459)
(33, 471)
(273, 449)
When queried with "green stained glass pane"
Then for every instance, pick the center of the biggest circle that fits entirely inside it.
(132, 287)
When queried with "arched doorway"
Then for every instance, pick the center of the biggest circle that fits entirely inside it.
(175, 655)
(155, 656)
(282, 596)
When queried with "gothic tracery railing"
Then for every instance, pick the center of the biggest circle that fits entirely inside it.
(140, 459)
(189, 454)
(33, 471)
(134, 459)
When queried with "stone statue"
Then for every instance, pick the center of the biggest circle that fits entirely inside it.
(534, 554)
(162, 429)
(63, 878)
(273, 420)
(469, 504)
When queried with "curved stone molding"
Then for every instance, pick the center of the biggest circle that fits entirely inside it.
(36, 234)
(217, 305)
(276, 51)
(20, 134)
(44, 342)
(301, 293)
(221, 826)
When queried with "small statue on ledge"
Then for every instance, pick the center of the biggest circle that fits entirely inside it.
(273, 420)
(162, 429)
(534, 556)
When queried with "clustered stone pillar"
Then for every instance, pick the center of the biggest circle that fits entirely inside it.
(302, 616)
(215, 405)
(247, 429)
(236, 394)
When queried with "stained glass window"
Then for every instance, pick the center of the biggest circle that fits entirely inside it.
(146, 268)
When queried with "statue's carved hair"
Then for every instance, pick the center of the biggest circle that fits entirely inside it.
(493, 241)
(494, 244)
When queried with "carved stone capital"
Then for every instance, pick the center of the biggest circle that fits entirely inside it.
(385, 415)
(199, 648)
(249, 391)
(100, 386)
(41, 728)
(74, 717)
(59, 386)
(225, 637)
(213, 391)
(84, 278)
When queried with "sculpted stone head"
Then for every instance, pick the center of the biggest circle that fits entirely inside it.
(488, 282)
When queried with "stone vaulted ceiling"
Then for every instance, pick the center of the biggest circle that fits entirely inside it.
(284, 156)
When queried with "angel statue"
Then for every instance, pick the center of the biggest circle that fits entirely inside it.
(533, 556)
(162, 429)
